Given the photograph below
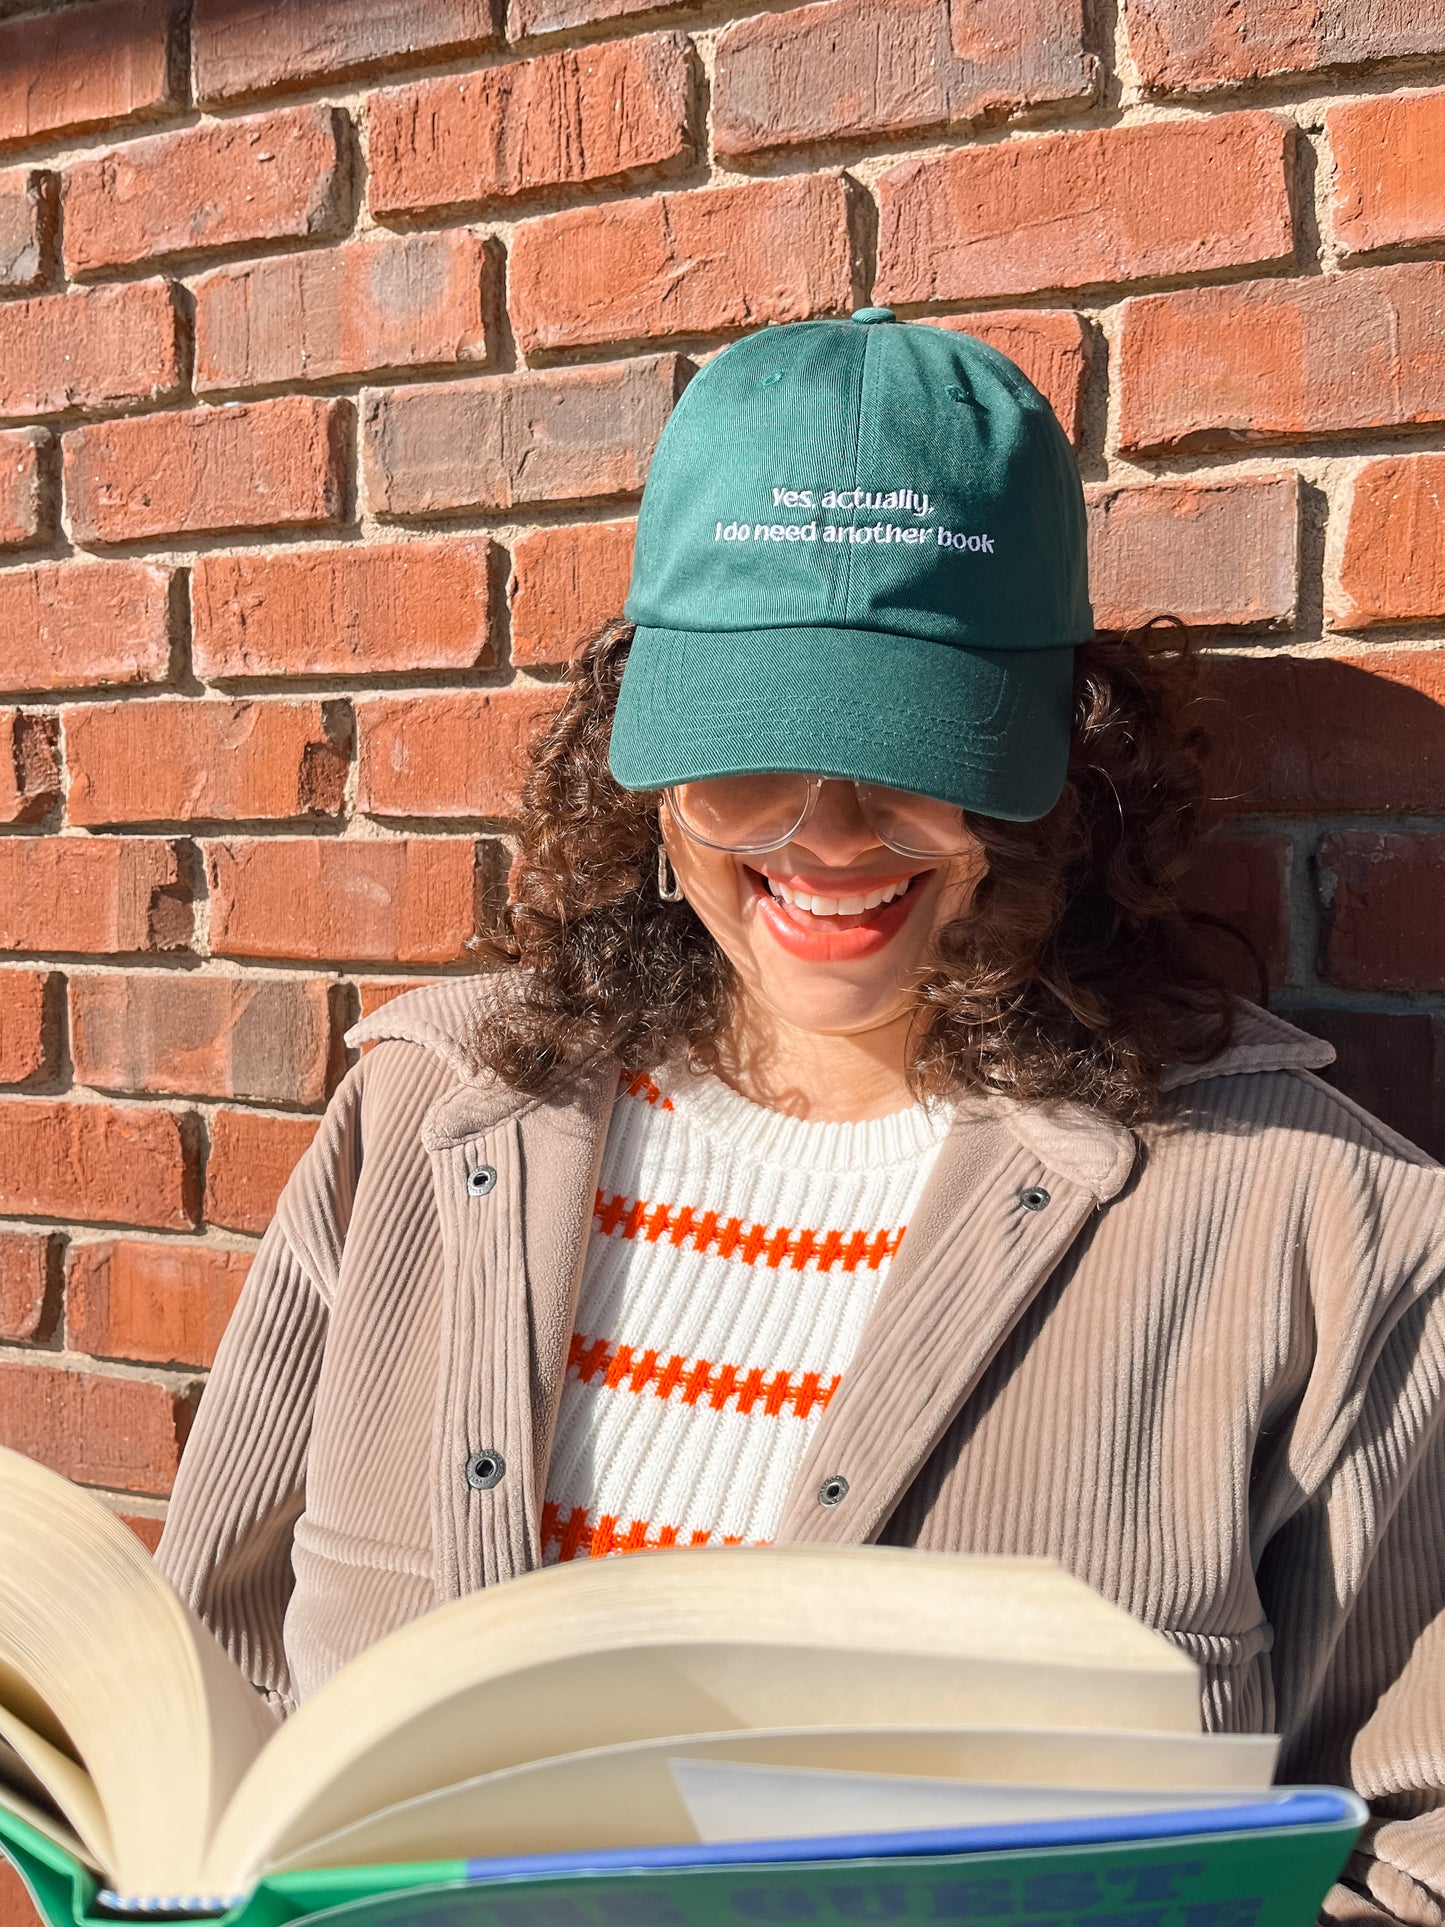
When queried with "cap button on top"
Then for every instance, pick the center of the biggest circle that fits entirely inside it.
(868, 315)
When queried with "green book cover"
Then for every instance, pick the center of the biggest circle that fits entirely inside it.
(1252, 1866)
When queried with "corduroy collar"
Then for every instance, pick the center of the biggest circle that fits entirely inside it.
(1092, 1151)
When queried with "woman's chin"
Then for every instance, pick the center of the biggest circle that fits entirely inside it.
(835, 998)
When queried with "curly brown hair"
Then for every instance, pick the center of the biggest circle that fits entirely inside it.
(1075, 972)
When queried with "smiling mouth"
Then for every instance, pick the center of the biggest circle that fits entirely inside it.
(852, 905)
(885, 905)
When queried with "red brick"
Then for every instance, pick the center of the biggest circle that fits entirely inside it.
(1393, 568)
(95, 1428)
(29, 766)
(27, 226)
(82, 67)
(158, 1302)
(25, 512)
(1245, 881)
(91, 348)
(351, 611)
(277, 177)
(77, 625)
(1389, 171)
(177, 760)
(568, 583)
(1053, 347)
(506, 441)
(27, 1259)
(1306, 735)
(451, 755)
(682, 264)
(1194, 45)
(407, 900)
(101, 1163)
(1381, 896)
(376, 993)
(849, 68)
(241, 47)
(148, 1530)
(251, 1158)
(257, 465)
(30, 1003)
(1077, 210)
(1215, 554)
(391, 301)
(1393, 1065)
(269, 1040)
(1275, 361)
(16, 1907)
(595, 114)
(108, 895)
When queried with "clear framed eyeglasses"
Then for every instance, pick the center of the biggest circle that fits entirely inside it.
(750, 814)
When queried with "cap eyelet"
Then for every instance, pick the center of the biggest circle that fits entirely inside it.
(1035, 1198)
(833, 1490)
(481, 1181)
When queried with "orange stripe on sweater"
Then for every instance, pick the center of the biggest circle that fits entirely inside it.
(648, 1089)
(580, 1534)
(617, 1216)
(698, 1381)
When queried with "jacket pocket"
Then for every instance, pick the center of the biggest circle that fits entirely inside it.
(331, 1545)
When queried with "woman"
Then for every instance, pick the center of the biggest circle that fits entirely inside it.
(845, 906)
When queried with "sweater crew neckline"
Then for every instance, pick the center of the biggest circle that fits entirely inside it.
(757, 1134)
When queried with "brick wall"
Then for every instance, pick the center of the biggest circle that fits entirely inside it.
(335, 337)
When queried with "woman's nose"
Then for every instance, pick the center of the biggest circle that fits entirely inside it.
(837, 833)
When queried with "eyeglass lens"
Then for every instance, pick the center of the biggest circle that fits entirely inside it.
(762, 812)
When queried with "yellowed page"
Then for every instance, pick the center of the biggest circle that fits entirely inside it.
(55, 1830)
(729, 1800)
(626, 1796)
(609, 1651)
(65, 1781)
(95, 1634)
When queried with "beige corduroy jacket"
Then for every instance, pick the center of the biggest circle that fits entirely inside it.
(1207, 1374)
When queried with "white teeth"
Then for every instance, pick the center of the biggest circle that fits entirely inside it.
(837, 906)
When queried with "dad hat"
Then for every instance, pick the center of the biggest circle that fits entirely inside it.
(860, 553)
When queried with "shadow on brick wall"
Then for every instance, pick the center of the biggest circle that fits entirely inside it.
(1332, 772)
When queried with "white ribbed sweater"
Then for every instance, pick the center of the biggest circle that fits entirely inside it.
(734, 1256)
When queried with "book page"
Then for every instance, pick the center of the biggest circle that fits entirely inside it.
(162, 1727)
(634, 1795)
(47, 1770)
(737, 1800)
(43, 1818)
(609, 1651)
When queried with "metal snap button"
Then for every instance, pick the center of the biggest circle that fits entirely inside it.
(485, 1469)
(833, 1490)
(481, 1181)
(1035, 1198)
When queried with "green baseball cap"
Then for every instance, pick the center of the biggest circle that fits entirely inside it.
(860, 553)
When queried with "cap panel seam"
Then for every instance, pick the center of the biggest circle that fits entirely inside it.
(848, 616)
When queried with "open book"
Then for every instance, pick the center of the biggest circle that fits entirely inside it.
(618, 1703)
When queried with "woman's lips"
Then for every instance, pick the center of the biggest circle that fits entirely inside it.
(832, 939)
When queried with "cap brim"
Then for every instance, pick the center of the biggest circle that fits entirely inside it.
(987, 729)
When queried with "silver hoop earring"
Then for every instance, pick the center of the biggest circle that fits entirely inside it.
(668, 887)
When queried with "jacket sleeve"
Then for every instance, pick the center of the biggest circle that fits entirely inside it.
(226, 1547)
(1354, 1582)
